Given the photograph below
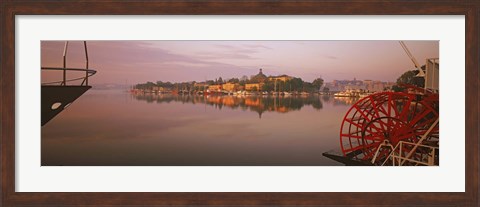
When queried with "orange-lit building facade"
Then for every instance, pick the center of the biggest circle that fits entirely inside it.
(230, 86)
(253, 86)
(215, 87)
(283, 78)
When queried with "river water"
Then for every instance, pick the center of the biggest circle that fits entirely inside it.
(116, 128)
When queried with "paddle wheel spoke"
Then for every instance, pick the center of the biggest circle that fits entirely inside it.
(378, 123)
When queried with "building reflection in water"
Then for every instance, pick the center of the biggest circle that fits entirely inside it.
(342, 101)
(259, 104)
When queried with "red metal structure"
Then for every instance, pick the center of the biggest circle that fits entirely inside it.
(376, 125)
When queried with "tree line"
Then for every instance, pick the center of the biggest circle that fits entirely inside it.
(294, 84)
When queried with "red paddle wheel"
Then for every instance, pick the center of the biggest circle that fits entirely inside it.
(375, 125)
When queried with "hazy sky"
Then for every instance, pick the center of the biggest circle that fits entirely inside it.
(141, 61)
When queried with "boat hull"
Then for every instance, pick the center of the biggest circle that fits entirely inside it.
(56, 98)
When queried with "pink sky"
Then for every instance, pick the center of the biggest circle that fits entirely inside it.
(178, 61)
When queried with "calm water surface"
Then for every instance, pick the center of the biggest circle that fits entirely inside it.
(112, 127)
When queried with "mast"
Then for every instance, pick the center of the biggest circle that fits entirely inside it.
(414, 60)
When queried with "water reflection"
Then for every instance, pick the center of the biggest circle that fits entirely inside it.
(113, 128)
(340, 101)
(259, 104)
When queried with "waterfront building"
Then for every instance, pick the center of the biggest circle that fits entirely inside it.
(230, 86)
(256, 82)
(283, 78)
(158, 89)
(259, 78)
(377, 86)
(200, 85)
(388, 85)
(253, 86)
(368, 85)
(215, 87)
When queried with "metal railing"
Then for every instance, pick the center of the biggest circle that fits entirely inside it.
(400, 159)
(397, 153)
(64, 81)
(64, 69)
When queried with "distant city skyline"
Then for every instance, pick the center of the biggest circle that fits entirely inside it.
(180, 61)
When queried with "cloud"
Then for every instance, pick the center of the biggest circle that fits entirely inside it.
(134, 54)
(331, 57)
(229, 52)
(257, 46)
(225, 55)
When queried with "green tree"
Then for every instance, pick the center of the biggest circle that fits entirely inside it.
(308, 87)
(268, 86)
(409, 78)
(210, 82)
(288, 85)
(243, 80)
(150, 85)
(297, 84)
(317, 83)
(234, 80)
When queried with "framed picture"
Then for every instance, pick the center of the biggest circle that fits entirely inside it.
(239, 103)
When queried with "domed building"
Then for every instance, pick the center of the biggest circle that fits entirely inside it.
(256, 82)
(259, 78)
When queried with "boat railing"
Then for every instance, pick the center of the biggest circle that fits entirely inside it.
(399, 158)
(88, 72)
(64, 81)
